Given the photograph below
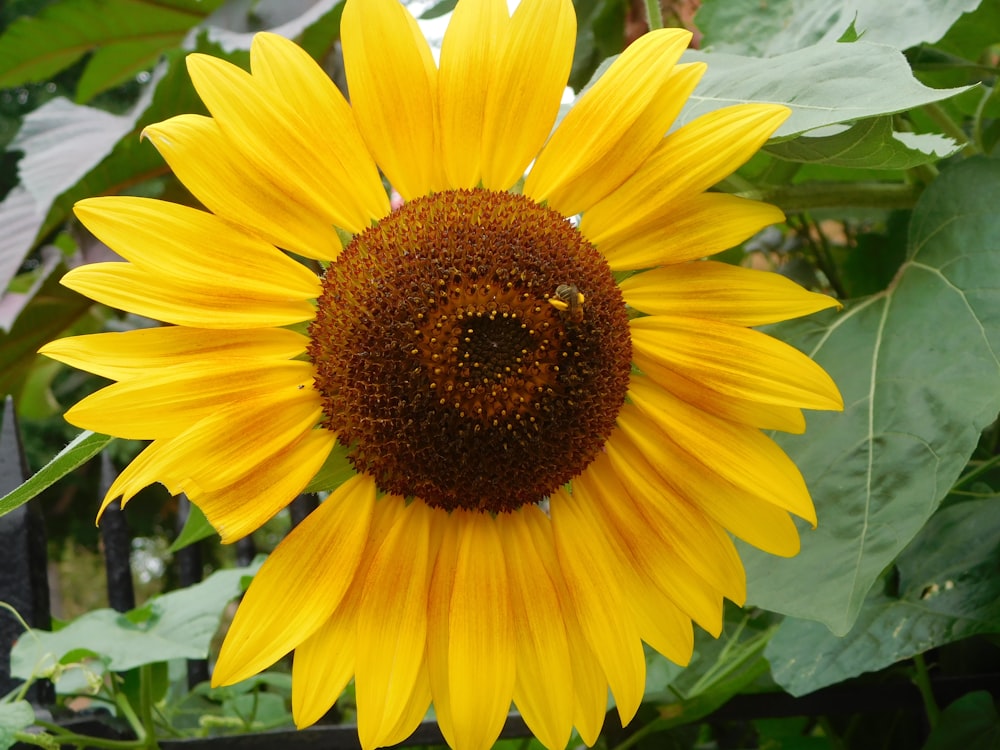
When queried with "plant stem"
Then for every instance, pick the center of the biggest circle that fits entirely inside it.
(654, 15)
(810, 195)
(83, 740)
(922, 680)
(146, 704)
(949, 127)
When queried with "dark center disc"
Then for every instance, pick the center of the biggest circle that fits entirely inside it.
(472, 349)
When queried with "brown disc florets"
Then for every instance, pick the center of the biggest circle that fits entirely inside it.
(472, 350)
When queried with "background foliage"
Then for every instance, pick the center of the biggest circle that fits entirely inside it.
(889, 174)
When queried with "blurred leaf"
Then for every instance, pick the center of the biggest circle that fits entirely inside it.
(83, 447)
(870, 266)
(717, 674)
(440, 8)
(778, 26)
(823, 85)
(277, 16)
(971, 723)
(15, 716)
(34, 48)
(196, 528)
(336, 470)
(178, 625)
(62, 142)
(918, 369)
(948, 590)
(973, 32)
(53, 309)
(869, 144)
(21, 217)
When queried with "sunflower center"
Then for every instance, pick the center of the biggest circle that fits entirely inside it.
(472, 350)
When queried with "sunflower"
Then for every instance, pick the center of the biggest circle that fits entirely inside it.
(551, 403)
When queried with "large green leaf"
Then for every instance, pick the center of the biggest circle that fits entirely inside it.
(777, 26)
(869, 144)
(823, 85)
(34, 48)
(918, 368)
(947, 590)
(178, 625)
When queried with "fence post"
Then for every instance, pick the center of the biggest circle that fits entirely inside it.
(24, 582)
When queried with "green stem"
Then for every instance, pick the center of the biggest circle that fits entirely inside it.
(83, 740)
(949, 127)
(984, 467)
(654, 15)
(922, 679)
(146, 704)
(810, 195)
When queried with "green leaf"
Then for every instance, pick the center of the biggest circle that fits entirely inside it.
(440, 8)
(335, 471)
(869, 144)
(14, 717)
(918, 368)
(971, 723)
(825, 84)
(777, 26)
(196, 528)
(52, 309)
(62, 142)
(81, 449)
(948, 589)
(34, 48)
(178, 625)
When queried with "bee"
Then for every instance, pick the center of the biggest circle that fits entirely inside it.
(568, 299)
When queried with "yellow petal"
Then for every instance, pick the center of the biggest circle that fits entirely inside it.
(751, 518)
(741, 455)
(639, 519)
(214, 305)
(393, 86)
(471, 593)
(248, 503)
(128, 354)
(732, 408)
(594, 585)
(699, 226)
(300, 584)
(539, 635)
(216, 451)
(615, 125)
(274, 137)
(526, 86)
(392, 624)
(324, 662)
(168, 401)
(231, 187)
(736, 361)
(195, 247)
(743, 512)
(719, 291)
(414, 711)
(687, 162)
(286, 71)
(589, 686)
(471, 46)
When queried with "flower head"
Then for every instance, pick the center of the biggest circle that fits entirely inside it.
(555, 424)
